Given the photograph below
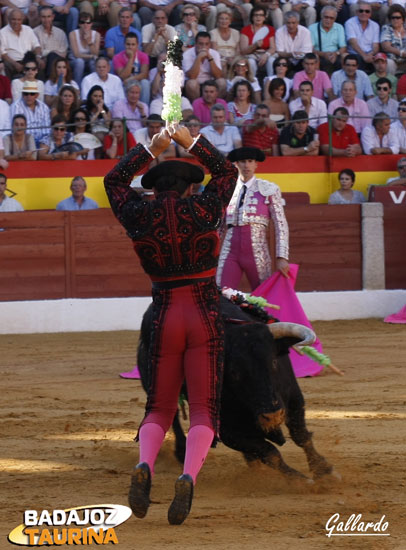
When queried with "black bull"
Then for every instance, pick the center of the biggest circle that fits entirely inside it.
(258, 380)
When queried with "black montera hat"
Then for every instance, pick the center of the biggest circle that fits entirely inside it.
(170, 174)
(246, 153)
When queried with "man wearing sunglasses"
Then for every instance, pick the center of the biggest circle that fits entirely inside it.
(382, 102)
(363, 36)
(381, 71)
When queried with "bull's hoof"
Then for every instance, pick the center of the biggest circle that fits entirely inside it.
(138, 496)
(271, 421)
(182, 503)
(321, 469)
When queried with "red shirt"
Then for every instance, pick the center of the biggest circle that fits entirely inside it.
(261, 140)
(250, 33)
(5, 87)
(348, 136)
(108, 140)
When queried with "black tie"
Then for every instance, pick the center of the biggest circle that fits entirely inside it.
(242, 196)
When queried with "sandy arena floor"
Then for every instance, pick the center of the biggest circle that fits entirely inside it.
(68, 422)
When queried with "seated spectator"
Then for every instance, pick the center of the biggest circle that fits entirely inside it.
(380, 138)
(239, 70)
(188, 29)
(110, 83)
(52, 40)
(225, 40)
(241, 109)
(281, 68)
(292, 40)
(399, 126)
(278, 108)
(401, 178)
(305, 9)
(35, 111)
(67, 103)
(298, 138)
(132, 64)
(274, 15)
(156, 105)
(379, 10)
(224, 138)
(383, 102)
(200, 64)
(193, 124)
(114, 145)
(134, 110)
(328, 39)
(61, 74)
(322, 87)
(85, 46)
(260, 53)
(114, 41)
(101, 11)
(7, 204)
(240, 11)
(381, 71)
(81, 119)
(350, 72)
(100, 114)
(59, 136)
(315, 108)
(5, 118)
(210, 96)
(16, 40)
(65, 14)
(156, 35)
(19, 145)
(77, 201)
(393, 39)
(30, 72)
(346, 194)
(145, 135)
(344, 139)
(357, 108)
(260, 134)
(362, 35)
(5, 84)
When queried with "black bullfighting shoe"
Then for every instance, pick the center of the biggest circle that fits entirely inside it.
(138, 496)
(182, 503)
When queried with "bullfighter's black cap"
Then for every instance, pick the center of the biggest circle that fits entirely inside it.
(246, 153)
(172, 174)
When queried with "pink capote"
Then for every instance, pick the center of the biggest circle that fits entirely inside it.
(399, 317)
(135, 373)
(280, 291)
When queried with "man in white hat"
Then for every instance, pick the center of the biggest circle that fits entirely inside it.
(35, 111)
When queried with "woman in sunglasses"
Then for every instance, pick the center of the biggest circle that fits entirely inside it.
(85, 46)
(393, 39)
(58, 137)
(240, 69)
(281, 67)
(189, 27)
(30, 73)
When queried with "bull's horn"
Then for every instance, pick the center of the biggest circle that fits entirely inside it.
(279, 330)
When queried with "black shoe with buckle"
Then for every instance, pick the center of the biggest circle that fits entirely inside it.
(182, 503)
(138, 496)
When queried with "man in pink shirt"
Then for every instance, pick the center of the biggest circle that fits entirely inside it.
(202, 105)
(322, 86)
(131, 64)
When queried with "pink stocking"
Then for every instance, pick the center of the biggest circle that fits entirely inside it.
(198, 444)
(151, 437)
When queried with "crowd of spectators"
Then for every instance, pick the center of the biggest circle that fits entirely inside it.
(90, 74)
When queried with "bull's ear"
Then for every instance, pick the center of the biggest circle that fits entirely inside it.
(283, 344)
